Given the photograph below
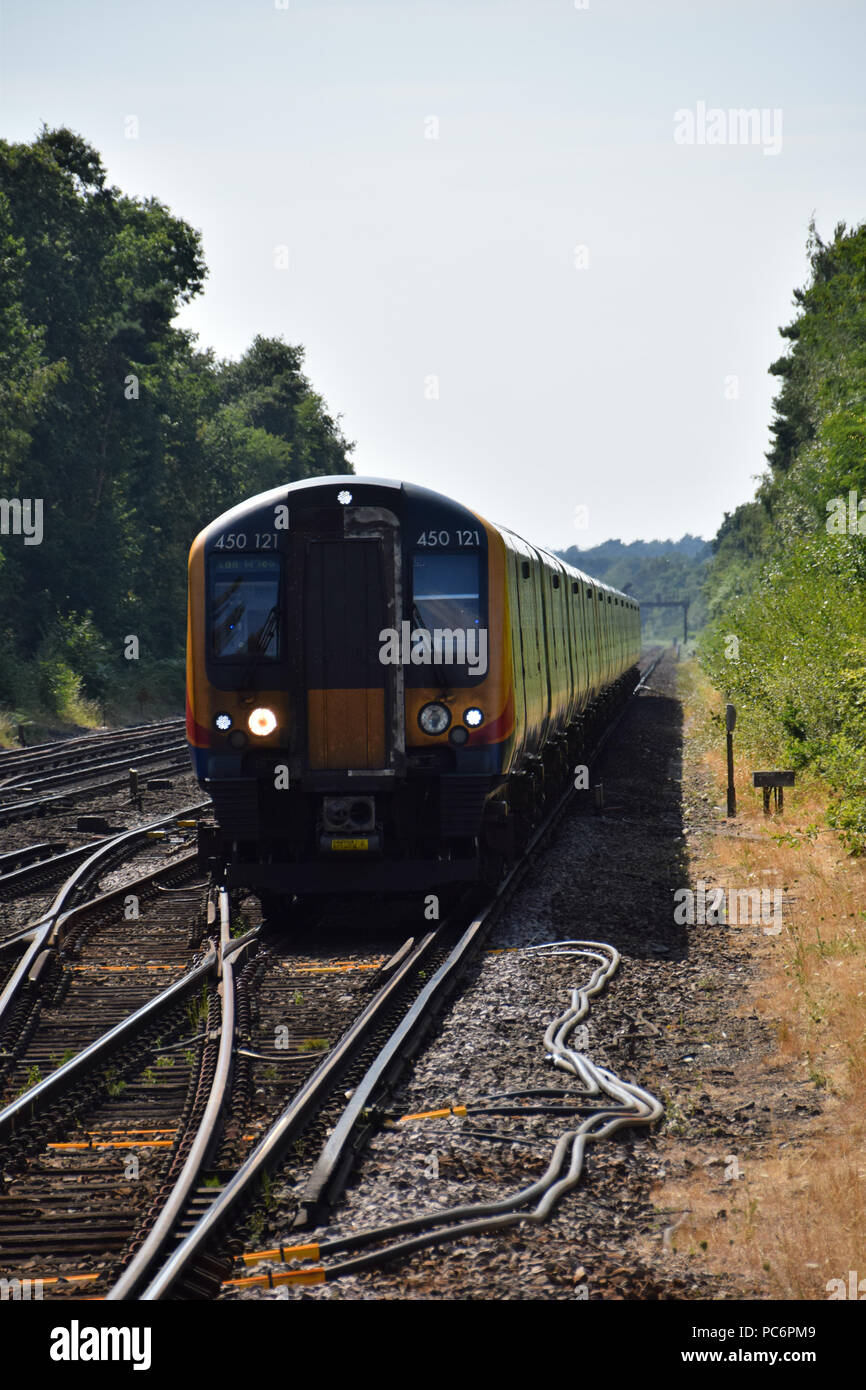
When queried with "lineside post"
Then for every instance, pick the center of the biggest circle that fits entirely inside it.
(775, 782)
(730, 725)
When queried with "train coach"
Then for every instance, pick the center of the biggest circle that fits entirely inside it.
(383, 689)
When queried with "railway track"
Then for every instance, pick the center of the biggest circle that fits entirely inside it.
(33, 881)
(78, 945)
(59, 753)
(31, 870)
(172, 1111)
(105, 1034)
(36, 793)
(370, 1057)
(182, 1106)
(87, 1151)
(39, 871)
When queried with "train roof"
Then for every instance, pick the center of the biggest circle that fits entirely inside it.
(556, 561)
(283, 494)
(413, 492)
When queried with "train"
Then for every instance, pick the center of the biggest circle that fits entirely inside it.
(385, 690)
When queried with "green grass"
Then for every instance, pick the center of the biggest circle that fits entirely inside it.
(34, 1076)
(799, 680)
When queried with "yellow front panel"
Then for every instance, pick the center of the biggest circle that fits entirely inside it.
(346, 729)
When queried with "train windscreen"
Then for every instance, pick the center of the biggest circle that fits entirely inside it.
(446, 590)
(244, 606)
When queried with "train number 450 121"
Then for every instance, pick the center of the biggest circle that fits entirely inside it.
(444, 538)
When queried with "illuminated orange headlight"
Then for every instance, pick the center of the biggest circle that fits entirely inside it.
(262, 721)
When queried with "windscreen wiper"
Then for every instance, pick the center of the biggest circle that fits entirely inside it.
(262, 642)
(420, 623)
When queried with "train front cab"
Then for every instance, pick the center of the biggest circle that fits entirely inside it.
(350, 790)
(357, 786)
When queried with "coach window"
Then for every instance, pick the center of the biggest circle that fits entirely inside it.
(446, 591)
(244, 606)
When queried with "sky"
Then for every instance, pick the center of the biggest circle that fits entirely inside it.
(534, 263)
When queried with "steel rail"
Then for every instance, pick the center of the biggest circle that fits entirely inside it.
(39, 853)
(17, 937)
(45, 933)
(327, 1169)
(272, 1146)
(15, 877)
(78, 774)
(14, 810)
(149, 1252)
(68, 759)
(634, 1106)
(24, 1108)
(70, 747)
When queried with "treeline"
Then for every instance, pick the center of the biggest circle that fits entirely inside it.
(787, 586)
(653, 570)
(131, 436)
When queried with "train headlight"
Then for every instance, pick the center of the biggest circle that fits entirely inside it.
(434, 718)
(262, 721)
(223, 722)
(473, 717)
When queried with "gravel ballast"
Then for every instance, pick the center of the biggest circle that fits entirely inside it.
(671, 1021)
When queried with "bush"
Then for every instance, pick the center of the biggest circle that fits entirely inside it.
(792, 657)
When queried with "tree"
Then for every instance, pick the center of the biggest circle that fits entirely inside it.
(133, 438)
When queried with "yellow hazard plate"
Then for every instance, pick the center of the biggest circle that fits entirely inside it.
(350, 844)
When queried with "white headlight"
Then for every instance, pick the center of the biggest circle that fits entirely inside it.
(262, 721)
(434, 718)
(473, 717)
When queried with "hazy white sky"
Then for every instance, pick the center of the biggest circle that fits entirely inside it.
(596, 378)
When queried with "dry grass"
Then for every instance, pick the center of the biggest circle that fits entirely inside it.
(8, 730)
(797, 1217)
